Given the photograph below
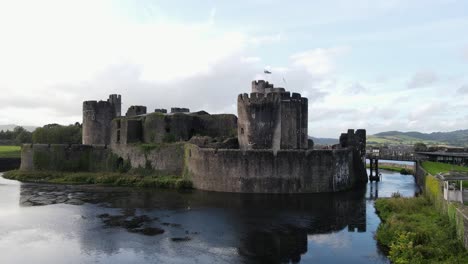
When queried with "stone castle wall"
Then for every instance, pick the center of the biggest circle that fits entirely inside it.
(272, 120)
(97, 117)
(261, 171)
(63, 157)
(223, 170)
(165, 158)
(159, 127)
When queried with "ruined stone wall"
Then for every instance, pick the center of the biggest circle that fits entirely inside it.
(136, 110)
(62, 157)
(274, 120)
(261, 171)
(97, 117)
(116, 101)
(357, 142)
(294, 122)
(166, 158)
(159, 127)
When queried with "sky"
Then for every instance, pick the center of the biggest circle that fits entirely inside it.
(378, 65)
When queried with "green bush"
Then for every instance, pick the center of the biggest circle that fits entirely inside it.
(414, 232)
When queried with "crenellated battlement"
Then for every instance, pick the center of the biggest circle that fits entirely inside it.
(270, 97)
(272, 118)
(260, 86)
(179, 110)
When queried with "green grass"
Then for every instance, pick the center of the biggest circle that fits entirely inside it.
(397, 140)
(414, 232)
(10, 151)
(437, 167)
(112, 179)
(397, 168)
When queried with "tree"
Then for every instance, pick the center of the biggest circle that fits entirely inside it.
(57, 134)
(420, 147)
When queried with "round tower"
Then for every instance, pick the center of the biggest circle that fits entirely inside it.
(273, 119)
(97, 118)
(116, 101)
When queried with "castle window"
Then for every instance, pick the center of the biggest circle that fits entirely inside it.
(118, 124)
(118, 136)
(242, 131)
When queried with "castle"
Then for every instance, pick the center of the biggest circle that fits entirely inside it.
(265, 149)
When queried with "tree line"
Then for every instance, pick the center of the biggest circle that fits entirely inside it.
(48, 134)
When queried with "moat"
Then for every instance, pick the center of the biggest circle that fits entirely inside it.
(41, 223)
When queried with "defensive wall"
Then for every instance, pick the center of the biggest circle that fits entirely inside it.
(223, 170)
(263, 171)
(63, 157)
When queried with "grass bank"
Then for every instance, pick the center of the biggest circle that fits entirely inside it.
(403, 169)
(437, 167)
(101, 178)
(414, 232)
(10, 151)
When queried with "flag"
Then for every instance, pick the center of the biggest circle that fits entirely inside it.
(266, 72)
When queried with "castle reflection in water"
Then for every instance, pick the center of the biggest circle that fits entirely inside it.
(269, 228)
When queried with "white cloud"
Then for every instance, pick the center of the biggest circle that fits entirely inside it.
(55, 54)
(465, 53)
(422, 79)
(318, 61)
(356, 88)
(463, 89)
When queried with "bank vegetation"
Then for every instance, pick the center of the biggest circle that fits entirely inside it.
(422, 229)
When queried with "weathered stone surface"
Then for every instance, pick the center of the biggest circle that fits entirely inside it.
(261, 171)
(159, 127)
(271, 118)
(97, 117)
(168, 158)
(63, 157)
(136, 110)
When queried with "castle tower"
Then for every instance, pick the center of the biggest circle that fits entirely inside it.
(116, 101)
(271, 118)
(97, 118)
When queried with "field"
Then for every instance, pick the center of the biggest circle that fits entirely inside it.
(10, 151)
(437, 167)
(400, 140)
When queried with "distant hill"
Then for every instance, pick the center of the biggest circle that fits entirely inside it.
(324, 141)
(11, 127)
(454, 138)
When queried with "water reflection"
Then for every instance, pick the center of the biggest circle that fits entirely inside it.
(107, 225)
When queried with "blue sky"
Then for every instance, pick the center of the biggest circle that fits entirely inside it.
(379, 65)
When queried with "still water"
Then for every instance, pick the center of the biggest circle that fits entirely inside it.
(41, 223)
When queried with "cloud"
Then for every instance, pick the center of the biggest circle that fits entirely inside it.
(465, 53)
(356, 88)
(422, 79)
(318, 61)
(463, 89)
